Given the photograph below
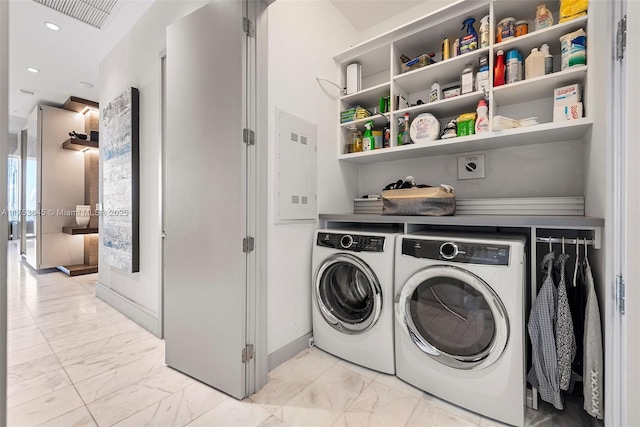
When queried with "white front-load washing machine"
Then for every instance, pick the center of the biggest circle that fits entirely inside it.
(353, 296)
(460, 322)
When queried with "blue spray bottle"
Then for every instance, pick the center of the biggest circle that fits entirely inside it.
(469, 42)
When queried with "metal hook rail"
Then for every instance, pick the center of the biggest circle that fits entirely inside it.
(565, 240)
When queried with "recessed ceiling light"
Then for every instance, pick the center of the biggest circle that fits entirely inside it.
(52, 26)
(85, 85)
(33, 70)
(26, 92)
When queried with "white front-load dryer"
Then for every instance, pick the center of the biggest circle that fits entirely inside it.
(460, 323)
(353, 296)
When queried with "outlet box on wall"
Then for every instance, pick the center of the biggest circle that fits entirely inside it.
(471, 166)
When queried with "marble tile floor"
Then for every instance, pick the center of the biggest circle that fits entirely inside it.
(75, 361)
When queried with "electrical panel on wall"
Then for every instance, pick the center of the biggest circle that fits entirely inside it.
(296, 168)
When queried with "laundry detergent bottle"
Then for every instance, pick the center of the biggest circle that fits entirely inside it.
(484, 32)
(498, 72)
(469, 42)
(482, 121)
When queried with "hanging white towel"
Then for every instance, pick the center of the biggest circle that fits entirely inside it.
(592, 361)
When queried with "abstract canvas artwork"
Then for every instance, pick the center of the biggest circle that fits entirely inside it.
(120, 171)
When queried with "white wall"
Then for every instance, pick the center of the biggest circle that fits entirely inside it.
(135, 61)
(552, 169)
(401, 18)
(303, 38)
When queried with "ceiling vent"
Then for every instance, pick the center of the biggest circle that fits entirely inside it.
(93, 12)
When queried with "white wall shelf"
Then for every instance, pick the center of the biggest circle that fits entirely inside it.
(539, 134)
(445, 107)
(378, 120)
(538, 87)
(443, 72)
(528, 98)
(367, 97)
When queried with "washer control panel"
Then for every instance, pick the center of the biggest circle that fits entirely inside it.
(455, 251)
(351, 242)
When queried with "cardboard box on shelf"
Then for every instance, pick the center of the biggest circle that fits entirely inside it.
(567, 112)
(567, 95)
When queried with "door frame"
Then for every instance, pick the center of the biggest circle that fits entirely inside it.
(629, 372)
(4, 225)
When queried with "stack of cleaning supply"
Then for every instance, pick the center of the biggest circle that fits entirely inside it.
(567, 103)
(572, 9)
(466, 124)
(354, 113)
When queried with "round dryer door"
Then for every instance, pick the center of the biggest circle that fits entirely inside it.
(348, 293)
(454, 317)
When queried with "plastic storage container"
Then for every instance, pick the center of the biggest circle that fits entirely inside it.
(534, 64)
(522, 27)
(574, 49)
(506, 29)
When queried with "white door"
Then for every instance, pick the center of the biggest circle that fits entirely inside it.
(630, 372)
(206, 187)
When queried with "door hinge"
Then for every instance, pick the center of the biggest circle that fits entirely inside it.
(248, 244)
(248, 136)
(247, 353)
(620, 293)
(249, 27)
(621, 38)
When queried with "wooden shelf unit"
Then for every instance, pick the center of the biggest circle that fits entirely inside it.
(80, 144)
(79, 230)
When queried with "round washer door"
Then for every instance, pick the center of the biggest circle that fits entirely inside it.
(348, 293)
(454, 317)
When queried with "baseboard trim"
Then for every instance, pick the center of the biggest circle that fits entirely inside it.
(139, 314)
(285, 353)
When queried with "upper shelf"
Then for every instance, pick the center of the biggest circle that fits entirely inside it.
(80, 144)
(444, 72)
(547, 132)
(550, 35)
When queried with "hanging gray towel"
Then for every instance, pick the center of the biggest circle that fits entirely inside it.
(565, 337)
(593, 385)
(544, 372)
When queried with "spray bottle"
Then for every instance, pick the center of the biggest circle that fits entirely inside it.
(367, 138)
(400, 129)
(406, 138)
(484, 32)
(469, 42)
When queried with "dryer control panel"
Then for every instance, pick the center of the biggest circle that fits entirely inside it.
(463, 252)
(349, 242)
